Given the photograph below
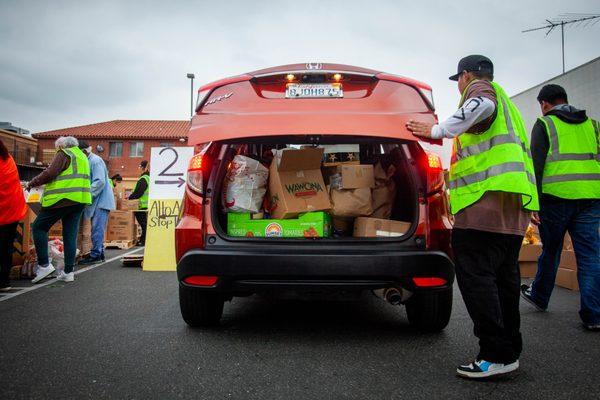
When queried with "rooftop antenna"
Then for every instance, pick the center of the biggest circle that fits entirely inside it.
(566, 19)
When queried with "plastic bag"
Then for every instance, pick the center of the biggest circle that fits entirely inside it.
(56, 254)
(245, 185)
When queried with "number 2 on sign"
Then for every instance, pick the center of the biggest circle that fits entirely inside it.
(164, 171)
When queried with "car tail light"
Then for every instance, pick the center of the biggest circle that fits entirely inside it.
(429, 281)
(195, 178)
(435, 173)
(201, 280)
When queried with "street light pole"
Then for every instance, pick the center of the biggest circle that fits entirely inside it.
(191, 77)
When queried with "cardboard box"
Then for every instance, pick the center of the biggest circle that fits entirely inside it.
(374, 227)
(353, 177)
(56, 231)
(567, 243)
(128, 205)
(313, 224)
(528, 269)
(23, 239)
(568, 260)
(341, 154)
(296, 184)
(84, 236)
(530, 252)
(567, 278)
(121, 202)
(121, 226)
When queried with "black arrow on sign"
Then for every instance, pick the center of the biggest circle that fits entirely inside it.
(180, 181)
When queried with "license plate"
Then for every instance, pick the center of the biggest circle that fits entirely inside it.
(319, 90)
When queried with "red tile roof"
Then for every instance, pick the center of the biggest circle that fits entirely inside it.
(123, 129)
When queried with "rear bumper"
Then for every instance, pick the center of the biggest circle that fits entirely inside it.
(240, 271)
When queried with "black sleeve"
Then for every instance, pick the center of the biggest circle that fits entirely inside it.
(539, 150)
(140, 188)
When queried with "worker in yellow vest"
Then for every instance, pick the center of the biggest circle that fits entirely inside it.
(492, 195)
(140, 192)
(66, 193)
(115, 179)
(565, 144)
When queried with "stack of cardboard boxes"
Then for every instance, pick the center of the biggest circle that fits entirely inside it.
(121, 226)
(301, 204)
(566, 275)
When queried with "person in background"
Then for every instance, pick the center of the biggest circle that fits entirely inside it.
(141, 192)
(492, 195)
(103, 202)
(66, 194)
(12, 210)
(565, 145)
(115, 179)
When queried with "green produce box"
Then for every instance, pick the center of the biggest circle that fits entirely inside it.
(312, 224)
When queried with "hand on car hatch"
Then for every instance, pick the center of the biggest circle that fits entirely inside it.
(420, 128)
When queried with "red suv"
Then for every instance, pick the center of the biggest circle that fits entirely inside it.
(315, 105)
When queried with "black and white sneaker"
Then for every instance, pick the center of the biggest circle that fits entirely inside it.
(526, 294)
(479, 369)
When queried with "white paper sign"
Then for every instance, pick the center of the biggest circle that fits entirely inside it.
(168, 172)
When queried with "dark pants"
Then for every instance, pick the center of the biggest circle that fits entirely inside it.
(142, 219)
(7, 238)
(487, 272)
(70, 217)
(581, 219)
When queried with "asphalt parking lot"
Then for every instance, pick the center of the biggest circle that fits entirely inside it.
(117, 333)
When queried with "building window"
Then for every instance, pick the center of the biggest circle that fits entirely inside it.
(115, 149)
(136, 149)
(166, 144)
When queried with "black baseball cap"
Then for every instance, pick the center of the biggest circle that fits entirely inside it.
(474, 62)
(144, 164)
(551, 93)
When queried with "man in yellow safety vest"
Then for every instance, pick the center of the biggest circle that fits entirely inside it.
(565, 144)
(492, 194)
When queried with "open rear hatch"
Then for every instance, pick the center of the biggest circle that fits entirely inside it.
(325, 188)
(337, 100)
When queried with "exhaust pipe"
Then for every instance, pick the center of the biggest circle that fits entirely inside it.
(393, 295)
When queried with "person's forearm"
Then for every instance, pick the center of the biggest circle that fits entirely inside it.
(539, 151)
(139, 190)
(473, 111)
(51, 172)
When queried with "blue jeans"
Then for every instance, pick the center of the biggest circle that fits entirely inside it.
(581, 219)
(99, 221)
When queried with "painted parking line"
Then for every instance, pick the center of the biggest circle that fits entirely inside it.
(53, 280)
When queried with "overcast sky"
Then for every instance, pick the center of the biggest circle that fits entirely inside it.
(68, 63)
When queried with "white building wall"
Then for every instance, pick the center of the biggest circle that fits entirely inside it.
(583, 89)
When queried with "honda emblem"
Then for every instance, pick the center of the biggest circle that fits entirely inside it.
(314, 66)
